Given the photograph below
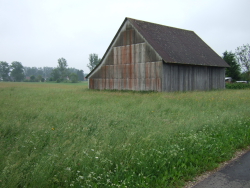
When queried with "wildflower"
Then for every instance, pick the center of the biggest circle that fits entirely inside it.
(81, 177)
(68, 168)
(52, 128)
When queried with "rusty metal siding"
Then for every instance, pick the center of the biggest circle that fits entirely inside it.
(190, 78)
(130, 65)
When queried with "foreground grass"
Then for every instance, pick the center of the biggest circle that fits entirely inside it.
(59, 135)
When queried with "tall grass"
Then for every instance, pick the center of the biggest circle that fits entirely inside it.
(59, 135)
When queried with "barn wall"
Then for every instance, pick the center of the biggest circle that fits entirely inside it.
(190, 78)
(131, 64)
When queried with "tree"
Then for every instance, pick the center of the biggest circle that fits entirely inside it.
(234, 69)
(32, 78)
(47, 72)
(73, 77)
(39, 78)
(62, 67)
(80, 75)
(93, 61)
(55, 74)
(242, 54)
(4, 70)
(17, 71)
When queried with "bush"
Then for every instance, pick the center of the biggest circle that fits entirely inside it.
(237, 86)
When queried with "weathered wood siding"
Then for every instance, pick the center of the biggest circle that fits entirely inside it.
(131, 64)
(190, 78)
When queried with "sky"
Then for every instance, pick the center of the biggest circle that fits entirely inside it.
(37, 33)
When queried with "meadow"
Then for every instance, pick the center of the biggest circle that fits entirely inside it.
(65, 135)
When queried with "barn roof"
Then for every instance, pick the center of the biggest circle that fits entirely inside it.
(178, 45)
(174, 45)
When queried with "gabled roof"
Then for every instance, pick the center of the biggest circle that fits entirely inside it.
(174, 45)
(178, 45)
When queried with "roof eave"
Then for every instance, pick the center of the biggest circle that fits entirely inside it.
(167, 62)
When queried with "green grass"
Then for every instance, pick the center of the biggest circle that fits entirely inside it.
(64, 135)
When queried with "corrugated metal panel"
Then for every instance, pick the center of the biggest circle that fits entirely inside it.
(115, 84)
(132, 54)
(128, 54)
(136, 84)
(153, 84)
(148, 70)
(158, 84)
(107, 83)
(137, 54)
(158, 69)
(123, 54)
(124, 73)
(142, 70)
(129, 71)
(115, 56)
(147, 84)
(111, 83)
(119, 84)
(142, 84)
(142, 53)
(119, 74)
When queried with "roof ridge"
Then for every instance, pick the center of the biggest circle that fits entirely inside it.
(159, 24)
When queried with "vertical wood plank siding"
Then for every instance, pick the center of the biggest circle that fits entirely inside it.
(190, 78)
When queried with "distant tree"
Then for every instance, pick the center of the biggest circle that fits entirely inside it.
(242, 54)
(80, 75)
(39, 78)
(17, 71)
(93, 61)
(245, 76)
(234, 69)
(73, 77)
(39, 71)
(55, 74)
(32, 78)
(29, 71)
(4, 70)
(47, 72)
(62, 67)
(72, 70)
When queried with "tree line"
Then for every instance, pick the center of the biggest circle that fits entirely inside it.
(239, 63)
(62, 73)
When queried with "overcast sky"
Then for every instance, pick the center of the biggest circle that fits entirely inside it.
(39, 32)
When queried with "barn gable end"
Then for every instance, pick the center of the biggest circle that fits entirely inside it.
(130, 64)
(146, 56)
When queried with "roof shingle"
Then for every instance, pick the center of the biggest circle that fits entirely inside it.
(177, 45)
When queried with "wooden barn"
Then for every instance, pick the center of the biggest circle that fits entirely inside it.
(144, 56)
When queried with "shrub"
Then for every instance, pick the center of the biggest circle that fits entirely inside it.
(237, 86)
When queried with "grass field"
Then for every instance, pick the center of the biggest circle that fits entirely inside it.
(64, 135)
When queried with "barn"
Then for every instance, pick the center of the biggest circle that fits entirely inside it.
(145, 56)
